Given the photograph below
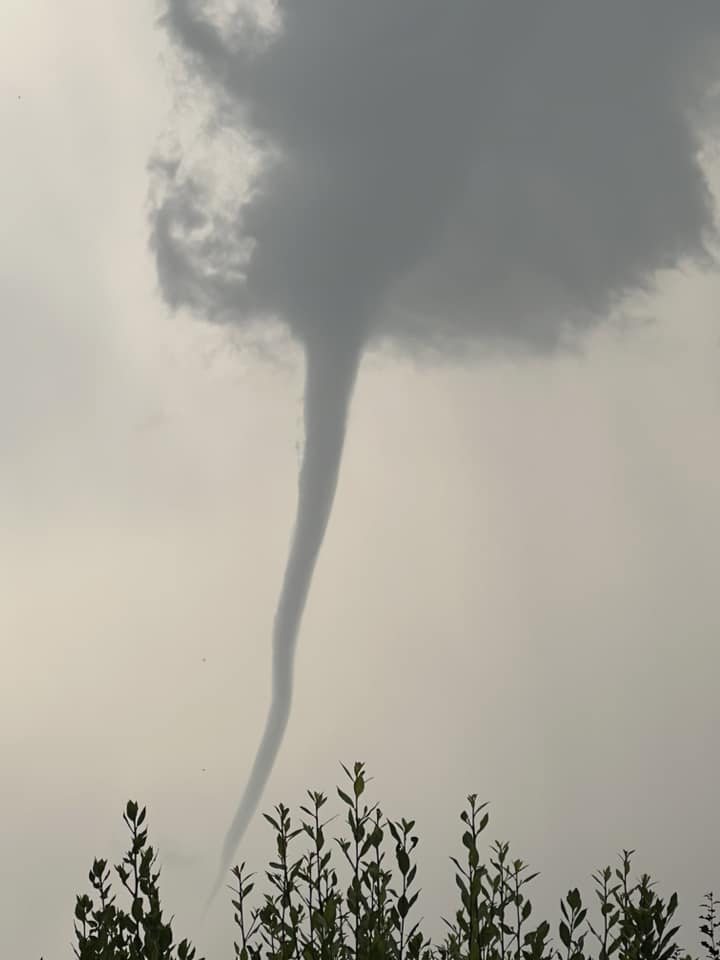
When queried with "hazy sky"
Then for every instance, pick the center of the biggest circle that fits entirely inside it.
(516, 596)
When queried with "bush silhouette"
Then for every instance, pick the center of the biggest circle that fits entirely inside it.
(106, 932)
(360, 907)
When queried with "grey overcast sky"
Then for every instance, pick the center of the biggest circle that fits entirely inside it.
(517, 594)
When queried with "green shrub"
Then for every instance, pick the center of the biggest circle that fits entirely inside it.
(106, 932)
(362, 908)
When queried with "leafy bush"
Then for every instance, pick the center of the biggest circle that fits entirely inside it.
(360, 908)
(105, 932)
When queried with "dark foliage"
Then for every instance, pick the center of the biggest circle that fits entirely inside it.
(354, 898)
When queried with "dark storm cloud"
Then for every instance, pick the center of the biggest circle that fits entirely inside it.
(450, 169)
(437, 173)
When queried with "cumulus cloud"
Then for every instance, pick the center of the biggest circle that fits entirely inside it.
(465, 169)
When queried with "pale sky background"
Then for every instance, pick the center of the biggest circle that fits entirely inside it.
(517, 595)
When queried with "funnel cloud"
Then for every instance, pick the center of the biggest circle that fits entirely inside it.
(438, 176)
